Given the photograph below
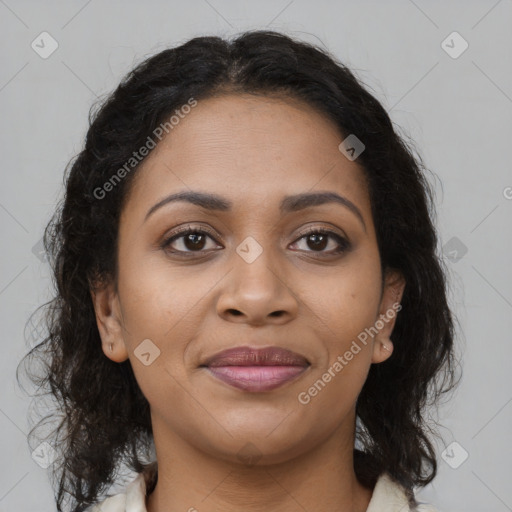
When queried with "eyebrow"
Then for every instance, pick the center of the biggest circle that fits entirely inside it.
(288, 204)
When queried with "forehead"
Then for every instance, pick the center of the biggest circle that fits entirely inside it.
(253, 150)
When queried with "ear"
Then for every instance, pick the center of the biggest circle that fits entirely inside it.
(109, 321)
(394, 285)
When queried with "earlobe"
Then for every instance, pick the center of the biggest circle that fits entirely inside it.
(382, 351)
(109, 322)
(390, 306)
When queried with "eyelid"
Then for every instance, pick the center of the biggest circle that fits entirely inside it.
(342, 240)
(329, 230)
(189, 227)
(333, 232)
(179, 232)
(303, 232)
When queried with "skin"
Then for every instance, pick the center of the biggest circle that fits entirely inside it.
(253, 151)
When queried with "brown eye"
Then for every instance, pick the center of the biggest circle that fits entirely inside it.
(188, 240)
(318, 241)
(194, 241)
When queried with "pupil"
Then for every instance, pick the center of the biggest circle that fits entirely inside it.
(318, 241)
(192, 239)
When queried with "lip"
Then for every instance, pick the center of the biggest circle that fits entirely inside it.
(256, 369)
(248, 356)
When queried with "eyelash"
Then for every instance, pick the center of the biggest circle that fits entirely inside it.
(344, 244)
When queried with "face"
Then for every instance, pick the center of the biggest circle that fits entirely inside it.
(261, 269)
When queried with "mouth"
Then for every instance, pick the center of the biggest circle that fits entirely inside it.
(256, 370)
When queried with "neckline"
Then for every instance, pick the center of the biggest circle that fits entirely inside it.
(386, 492)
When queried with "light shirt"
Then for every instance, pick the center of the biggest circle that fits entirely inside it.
(388, 496)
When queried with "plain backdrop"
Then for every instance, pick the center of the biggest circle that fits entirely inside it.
(454, 102)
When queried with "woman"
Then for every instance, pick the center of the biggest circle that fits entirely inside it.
(247, 288)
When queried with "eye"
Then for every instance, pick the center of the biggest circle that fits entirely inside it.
(318, 240)
(188, 240)
(195, 240)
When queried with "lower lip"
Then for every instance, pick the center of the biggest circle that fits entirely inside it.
(256, 378)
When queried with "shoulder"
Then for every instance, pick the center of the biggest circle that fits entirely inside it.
(116, 503)
(389, 496)
(133, 499)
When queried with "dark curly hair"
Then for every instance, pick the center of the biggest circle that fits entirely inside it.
(104, 419)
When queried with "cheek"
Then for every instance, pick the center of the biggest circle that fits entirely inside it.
(157, 298)
(343, 363)
(343, 308)
(162, 305)
(344, 302)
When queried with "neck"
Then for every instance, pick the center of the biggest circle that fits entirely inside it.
(321, 479)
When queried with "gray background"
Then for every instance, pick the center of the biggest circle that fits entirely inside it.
(458, 110)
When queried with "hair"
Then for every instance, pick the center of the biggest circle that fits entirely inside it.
(104, 417)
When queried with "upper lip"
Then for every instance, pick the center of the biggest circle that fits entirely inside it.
(247, 356)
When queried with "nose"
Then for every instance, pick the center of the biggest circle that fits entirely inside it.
(256, 294)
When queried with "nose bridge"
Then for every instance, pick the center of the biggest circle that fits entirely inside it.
(255, 269)
(256, 288)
